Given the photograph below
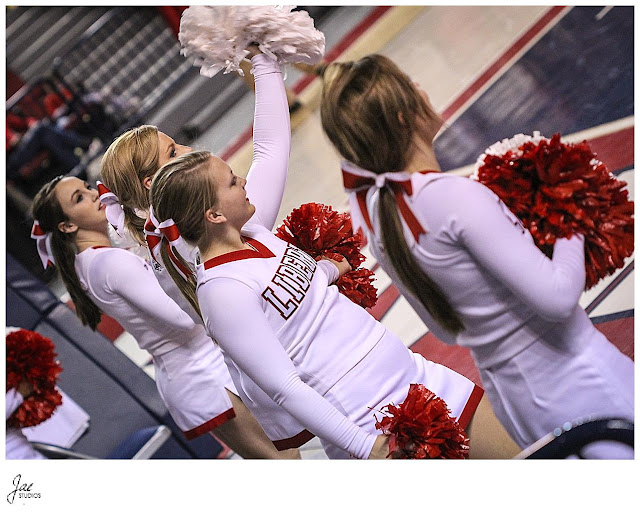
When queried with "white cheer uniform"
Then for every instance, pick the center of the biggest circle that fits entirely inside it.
(265, 186)
(324, 359)
(17, 447)
(541, 360)
(190, 372)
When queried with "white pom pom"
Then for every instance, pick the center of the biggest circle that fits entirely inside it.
(216, 37)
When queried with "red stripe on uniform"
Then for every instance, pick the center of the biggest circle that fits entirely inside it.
(293, 442)
(236, 255)
(211, 424)
(471, 406)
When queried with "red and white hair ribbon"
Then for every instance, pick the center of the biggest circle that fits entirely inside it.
(357, 180)
(167, 230)
(43, 243)
(153, 235)
(114, 211)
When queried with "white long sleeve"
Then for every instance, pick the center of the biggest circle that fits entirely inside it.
(136, 282)
(333, 274)
(234, 317)
(123, 286)
(13, 399)
(271, 142)
(551, 287)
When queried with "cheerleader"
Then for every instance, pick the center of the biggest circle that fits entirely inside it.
(191, 376)
(132, 160)
(465, 263)
(287, 331)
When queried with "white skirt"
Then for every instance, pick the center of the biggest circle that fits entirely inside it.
(546, 385)
(193, 380)
(383, 377)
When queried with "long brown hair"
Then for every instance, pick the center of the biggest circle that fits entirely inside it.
(49, 213)
(183, 190)
(132, 157)
(371, 112)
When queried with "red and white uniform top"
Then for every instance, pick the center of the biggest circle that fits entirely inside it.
(506, 291)
(287, 331)
(123, 286)
(265, 185)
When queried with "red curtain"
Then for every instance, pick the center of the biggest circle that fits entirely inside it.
(172, 15)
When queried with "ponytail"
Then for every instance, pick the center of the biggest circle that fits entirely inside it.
(132, 157)
(48, 213)
(411, 274)
(182, 191)
(186, 286)
(64, 252)
(134, 224)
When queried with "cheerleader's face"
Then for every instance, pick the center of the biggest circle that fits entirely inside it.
(233, 206)
(168, 149)
(81, 204)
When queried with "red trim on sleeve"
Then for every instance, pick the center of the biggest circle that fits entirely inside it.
(260, 251)
(293, 442)
(211, 424)
(471, 406)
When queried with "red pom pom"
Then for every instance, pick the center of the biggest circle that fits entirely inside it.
(31, 358)
(322, 232)
(422, 427)
(558, 189)
(358, 286)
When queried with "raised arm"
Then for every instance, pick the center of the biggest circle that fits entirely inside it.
(234, 317)
(271, 142)
(134, 280)
(551, 287)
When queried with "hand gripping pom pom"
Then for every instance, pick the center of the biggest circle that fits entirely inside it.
(322, 232)
(558, 189)
(31, 358)
(422, 428)
(216, 37)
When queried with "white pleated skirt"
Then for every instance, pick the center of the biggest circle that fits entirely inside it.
(193, 380)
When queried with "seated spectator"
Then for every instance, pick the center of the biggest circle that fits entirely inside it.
(65, 145)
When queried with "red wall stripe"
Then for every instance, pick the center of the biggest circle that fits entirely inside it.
(546, 20)
(615, 149)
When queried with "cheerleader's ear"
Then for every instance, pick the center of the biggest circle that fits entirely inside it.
(146, 182)
(67, 227)
(214, 216)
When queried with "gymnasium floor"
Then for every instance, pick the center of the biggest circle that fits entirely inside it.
(501, 71)
(493, 72)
